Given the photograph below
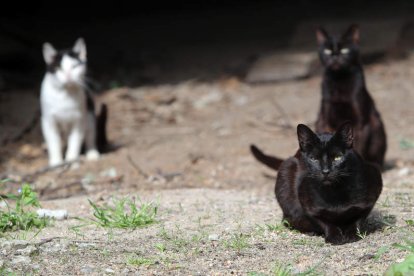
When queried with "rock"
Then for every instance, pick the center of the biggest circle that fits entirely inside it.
(5, 246)
(212, 97)
(404, 171)
(27, 251)
(213, 237)
(109, 271)
(281, 66)
(56, 214)
(86, 245)
(21, 260)
(19, 244)
(87, 269)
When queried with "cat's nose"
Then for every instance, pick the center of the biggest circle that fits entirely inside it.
(325, 171)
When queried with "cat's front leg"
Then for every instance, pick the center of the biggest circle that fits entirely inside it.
(333, 234)
(75, 139)
(52, 137)
(351, 232)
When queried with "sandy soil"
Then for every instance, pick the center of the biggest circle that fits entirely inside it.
(185, 146)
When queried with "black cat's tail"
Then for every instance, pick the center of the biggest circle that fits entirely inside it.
(101, 121)
(270, 161)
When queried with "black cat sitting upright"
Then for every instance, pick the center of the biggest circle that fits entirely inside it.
(327, 188)
(345, 96)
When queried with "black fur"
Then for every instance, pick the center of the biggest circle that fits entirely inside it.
(327, 188)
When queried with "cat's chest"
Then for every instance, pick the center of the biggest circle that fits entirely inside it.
(62, 104)
(333, 196)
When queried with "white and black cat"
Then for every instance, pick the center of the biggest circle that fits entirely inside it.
(67, 109)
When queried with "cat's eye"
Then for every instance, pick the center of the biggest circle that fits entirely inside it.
(344, 51)
(338, 158)
(327, 52)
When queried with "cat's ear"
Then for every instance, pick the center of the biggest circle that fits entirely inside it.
(49, 52)
(306, 137)
(352, 34)
(321, 35)
(346, 134)
(80, 49)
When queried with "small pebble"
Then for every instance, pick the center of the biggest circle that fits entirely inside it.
(109, 270)
(213, 237)
(56, 214)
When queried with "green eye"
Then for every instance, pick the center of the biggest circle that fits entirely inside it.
(327, 52)
(338, 158)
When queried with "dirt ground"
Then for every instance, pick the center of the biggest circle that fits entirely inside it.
(186, 147)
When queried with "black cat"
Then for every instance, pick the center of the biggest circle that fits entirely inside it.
(327, 188)
(345, 96)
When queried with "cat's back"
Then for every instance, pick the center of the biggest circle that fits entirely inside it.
(373, 179)
(288, 175)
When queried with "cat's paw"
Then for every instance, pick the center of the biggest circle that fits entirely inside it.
(336, 240)
(55, 162)
(92, 155)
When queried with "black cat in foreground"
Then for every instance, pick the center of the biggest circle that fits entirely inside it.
(327, 188)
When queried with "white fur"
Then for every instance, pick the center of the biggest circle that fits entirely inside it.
(65, 118)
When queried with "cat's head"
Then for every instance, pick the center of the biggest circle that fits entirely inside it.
(327, 156)
(338, 52)
(67, 66)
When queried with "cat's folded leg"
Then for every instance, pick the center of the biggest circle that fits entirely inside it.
(91, 152)
(333, 234)
(75, 140)
(350, 232)
(53, 141)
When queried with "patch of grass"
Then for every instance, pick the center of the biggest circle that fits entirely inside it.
(287, 270)
(77, 230)
(361, 235)
(20, 215)
(381, 251)
(124, 214)
(282, 270)
(7, 272)
(279, 227)
(409, 222)
(140, 261)
(303, 241)
(160, 247)
(406, 267)
(176, 240)
(406, 144)
(254, 273)
(386, 203)
(237, 241)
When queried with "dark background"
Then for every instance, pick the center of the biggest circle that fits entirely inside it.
(149, 42)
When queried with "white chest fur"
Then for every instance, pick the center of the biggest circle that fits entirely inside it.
(66, 120)
(63, 104)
